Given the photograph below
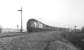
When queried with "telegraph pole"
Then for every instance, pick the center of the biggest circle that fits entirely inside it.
(75, 27)
(21, 20)
(17, 27)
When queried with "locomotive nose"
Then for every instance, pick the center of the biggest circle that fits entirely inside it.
(35, 25)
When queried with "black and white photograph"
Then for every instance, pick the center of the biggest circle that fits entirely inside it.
(41, 24)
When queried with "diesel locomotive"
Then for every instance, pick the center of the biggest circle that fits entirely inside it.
(34, 25)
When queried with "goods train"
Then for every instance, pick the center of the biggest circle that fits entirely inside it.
(34, 25)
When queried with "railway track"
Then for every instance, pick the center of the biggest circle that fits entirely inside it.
(14, 34)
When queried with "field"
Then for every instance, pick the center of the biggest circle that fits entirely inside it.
(53, 40)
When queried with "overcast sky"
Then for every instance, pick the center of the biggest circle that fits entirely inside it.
(60, 13)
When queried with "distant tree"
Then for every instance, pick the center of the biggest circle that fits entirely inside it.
(82, 30)
(0, 30)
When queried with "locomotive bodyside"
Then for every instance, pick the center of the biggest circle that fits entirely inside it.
(34, 25)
